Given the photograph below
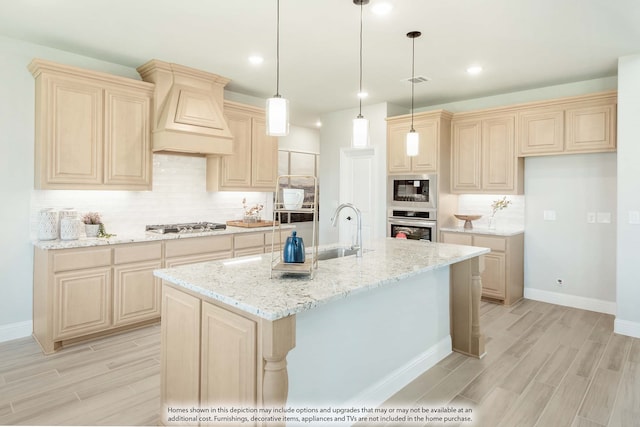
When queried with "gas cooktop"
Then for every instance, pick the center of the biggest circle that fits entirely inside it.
(187, 227)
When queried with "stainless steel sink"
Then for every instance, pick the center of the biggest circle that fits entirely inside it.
(337, 253)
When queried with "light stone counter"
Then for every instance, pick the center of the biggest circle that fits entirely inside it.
(499, 231)
(244, 283)
(85, 242)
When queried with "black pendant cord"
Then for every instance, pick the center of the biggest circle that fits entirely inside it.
(413, 60)
(360, 93)
(278, 51)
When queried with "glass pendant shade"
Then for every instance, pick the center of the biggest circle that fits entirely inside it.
(360, 138)
(413, 141)
(277, 116)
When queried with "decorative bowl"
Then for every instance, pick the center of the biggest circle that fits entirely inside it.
(467, 219)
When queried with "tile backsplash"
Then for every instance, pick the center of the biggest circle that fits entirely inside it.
(512, 216)
(179, 195)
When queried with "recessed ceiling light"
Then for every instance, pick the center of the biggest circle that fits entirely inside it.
(256, 59)
(474, 69)
(319, 124)
(381, 8)
(362, 95)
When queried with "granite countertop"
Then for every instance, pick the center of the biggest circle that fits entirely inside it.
(244, 282)
(499, 231)
(84, 242)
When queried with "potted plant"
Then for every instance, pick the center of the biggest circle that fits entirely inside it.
(496, 206)
(92, 223)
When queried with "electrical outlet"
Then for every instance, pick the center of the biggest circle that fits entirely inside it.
(604, 217)
(591, 217)
(559, 282)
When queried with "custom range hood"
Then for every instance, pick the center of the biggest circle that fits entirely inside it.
(187, 109)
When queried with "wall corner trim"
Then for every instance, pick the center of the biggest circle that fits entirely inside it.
(16, 330)
(625, 327)
(575, 301)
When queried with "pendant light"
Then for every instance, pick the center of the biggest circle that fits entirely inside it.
(413, 138)
(277, 106)
(360, 137)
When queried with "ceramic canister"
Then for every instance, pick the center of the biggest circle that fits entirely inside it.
(66, 213)
(47, 224)
(70, 228)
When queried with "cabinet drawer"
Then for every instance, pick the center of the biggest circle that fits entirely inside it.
(198, 245)
(457, 238)
(136, 253)
(248, 240)
(493, 243)
(77, 259)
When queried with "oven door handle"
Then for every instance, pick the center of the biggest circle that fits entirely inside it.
(412, 222)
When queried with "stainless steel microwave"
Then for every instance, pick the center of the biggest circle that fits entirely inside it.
(412, 191)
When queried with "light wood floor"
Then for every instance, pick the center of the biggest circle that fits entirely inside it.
(546, 366)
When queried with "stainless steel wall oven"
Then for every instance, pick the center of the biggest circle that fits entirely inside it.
(412, 224)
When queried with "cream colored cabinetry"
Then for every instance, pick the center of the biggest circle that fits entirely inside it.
(213, 354)
(433, 128)
(92, 129)
(483, 156)
(136, 291)
(254, 162)
(503, 275)
(197, 249)
(585, 124)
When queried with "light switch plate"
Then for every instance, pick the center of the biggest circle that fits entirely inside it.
(634, 217)
(604, 217)
(591, 217)
(549, 215)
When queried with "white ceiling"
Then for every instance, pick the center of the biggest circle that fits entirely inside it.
(521, 44)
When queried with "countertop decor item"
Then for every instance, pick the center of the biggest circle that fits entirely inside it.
(467, 219)
(293, 249)
(92, 222)
(48, 224)
(252, 213)
(496, 206)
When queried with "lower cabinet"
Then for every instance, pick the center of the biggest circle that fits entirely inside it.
(503, 275)
(136, 292)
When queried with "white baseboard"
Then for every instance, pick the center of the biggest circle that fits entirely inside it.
(584, 303)
(16, 330)
(379, 392)
(625, 327)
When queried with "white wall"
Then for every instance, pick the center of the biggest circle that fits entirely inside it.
(628, 264)
(335, 135)
(300, 139)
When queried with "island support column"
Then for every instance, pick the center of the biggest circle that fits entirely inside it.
(278, 337)
(466, 289)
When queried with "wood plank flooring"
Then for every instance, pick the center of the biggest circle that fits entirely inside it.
(546, 365)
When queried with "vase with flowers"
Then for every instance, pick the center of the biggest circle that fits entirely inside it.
(496, 206)
(92, 223)
(252, 213)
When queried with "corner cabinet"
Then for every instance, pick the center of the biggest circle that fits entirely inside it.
(483, 158)
(503, 274)
(583, 124)
(253, 165)
(433, 128)
(93, 130)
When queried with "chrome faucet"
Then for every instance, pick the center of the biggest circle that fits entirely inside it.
(334, 221)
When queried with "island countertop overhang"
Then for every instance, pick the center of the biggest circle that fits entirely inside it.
(244, 283)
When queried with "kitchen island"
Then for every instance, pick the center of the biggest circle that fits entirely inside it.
(362, 328)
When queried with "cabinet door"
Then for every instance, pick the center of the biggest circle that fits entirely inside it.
(235, 170)
(69, 133)
(498, 154)
(397, 160)
(264, 156)
(493, 276)
(180, 351)
(81, 302)
(229, 360)
(427, 158)
(541, 131)
(591, 128)
(136, 293)
(127, 131)
(466, 156)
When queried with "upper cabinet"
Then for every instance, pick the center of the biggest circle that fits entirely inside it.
(483, 156)
(584, 124)
(433, 128)
(92, 129)
(253, 166)
(188, 114)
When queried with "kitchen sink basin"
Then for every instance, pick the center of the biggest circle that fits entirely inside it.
(337, 253)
